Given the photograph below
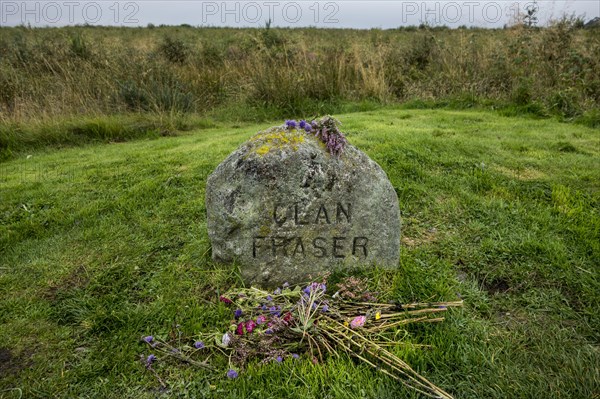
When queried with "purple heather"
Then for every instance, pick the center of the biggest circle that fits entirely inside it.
(199, 345)
(231, 373)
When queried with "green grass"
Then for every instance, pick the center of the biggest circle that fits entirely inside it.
(105, 243)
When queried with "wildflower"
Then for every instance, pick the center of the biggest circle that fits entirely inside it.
(240, 329)
(277, 291)
(307, 290)
(264, 307)
(174, 350)
(358, 321)
(275, 311)
(261, 319)
(325, 308)
(238, 313)
(199, 345)
(287, 317)
(149, 360)
(323, 287)
(286, 284)
(148, 339)
(377, 315)
(290, 124)
(269, 298)
(231, 373)
(302, 124)
(295, 356)
(279, 359)
(226, 339)
(269, 331)
(225, 300)
(250, 325)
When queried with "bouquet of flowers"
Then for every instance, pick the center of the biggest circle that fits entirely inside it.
(308, 320)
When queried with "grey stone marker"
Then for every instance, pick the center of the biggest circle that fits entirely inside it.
(283, 208)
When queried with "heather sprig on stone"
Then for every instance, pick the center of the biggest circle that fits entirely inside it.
(326, 129)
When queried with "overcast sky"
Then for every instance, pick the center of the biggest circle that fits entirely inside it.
(333, 14)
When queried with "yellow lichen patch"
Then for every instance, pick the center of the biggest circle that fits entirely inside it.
(277, 138)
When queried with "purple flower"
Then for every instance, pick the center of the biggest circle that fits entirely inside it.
(323, 287)
(269, 298)
(238, 313)
(149, 360)
(199, 345)
(325, 308)
(295, 356)
(261, 319)
(231, 373)
(302, 124)
(290, 124)
(277, 291)
(269, 331)
(279, 359)
(307, 289)
(149, 338)
(275, 311)
(358, 321)
(286, 284)
(250, 325)
(308, 128)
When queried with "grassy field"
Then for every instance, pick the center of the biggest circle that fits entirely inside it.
(105, 243)
(51, 78)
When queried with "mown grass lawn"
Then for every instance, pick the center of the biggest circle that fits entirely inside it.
(103, 244)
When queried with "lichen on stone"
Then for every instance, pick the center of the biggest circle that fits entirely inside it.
(276, 138)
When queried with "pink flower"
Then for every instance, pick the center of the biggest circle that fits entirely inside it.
(358, 321)
(250, 324)
(261, 319)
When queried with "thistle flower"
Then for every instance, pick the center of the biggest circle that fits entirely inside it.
(358, 321)
(199, 345)
(238, 313)
(232, 374)
(148, 339)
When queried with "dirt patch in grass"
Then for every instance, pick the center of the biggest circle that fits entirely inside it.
(524, 174)
(11, 364)
(78, 278)
(427, 237)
